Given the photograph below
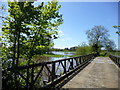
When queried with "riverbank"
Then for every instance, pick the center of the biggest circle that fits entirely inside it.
(53, 55)
(61, 54)
(58, 55)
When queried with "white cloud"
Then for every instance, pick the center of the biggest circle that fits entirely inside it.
(61, 47)
(61, 33)
(66, 39)
(63, 40)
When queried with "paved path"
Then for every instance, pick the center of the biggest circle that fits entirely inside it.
(101, 73)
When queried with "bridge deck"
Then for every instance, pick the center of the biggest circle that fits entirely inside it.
(100, 73)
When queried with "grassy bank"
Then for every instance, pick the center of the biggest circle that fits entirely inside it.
(115, 53)
(74, 55)
(53, 55)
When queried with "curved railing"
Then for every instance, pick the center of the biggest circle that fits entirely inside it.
(52, 74)
(115, 59)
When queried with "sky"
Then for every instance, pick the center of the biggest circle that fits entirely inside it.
(82, 16)
(67, 0)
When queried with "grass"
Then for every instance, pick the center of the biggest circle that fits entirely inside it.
(68, 51)
(74, 55)
(115, 53)
(58, 55)
(53, 55)
(102, 53)
(104, 56)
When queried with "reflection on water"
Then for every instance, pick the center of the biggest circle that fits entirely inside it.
(56, 58)
(45, 58)
(66, 55)
(63, 53)
(46, 76)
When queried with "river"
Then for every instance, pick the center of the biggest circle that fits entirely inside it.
(47, 58)
(66, 55)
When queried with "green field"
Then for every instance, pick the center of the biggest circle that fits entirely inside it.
(115, 53)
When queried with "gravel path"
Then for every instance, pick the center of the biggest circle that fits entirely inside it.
(100, 73)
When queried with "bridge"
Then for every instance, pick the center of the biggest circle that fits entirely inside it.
(87, 71)
(101, 73)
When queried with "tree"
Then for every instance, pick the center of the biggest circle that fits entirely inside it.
(73, 48)
(83, 49)
(118, 32)
(28, 31)
(117, 27)
(97, 37)
(3, 10)
(109, 45)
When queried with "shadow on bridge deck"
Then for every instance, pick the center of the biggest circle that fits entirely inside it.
(100, 73)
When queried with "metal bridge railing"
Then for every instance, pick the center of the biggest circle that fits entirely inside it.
(50, 74)
(115, 59)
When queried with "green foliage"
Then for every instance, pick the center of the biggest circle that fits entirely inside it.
(83, 50)
(117, 27)
(28, 31)
(115, 52)
(56, 49)
(75, 55)
(109, 45)
(98, 38)
(103, 53)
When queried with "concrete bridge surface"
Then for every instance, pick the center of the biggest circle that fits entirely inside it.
(100, 73)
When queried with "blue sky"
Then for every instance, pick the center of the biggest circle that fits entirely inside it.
(81, 16)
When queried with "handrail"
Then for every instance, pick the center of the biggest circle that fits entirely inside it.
(115, 59)
(46, 62)
(52, 73)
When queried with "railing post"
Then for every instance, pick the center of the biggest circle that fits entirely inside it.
(65, 66)
(53, 71)
(71, 64)
(80, 60)
(118, 61)
(83, 59)
(76, 60)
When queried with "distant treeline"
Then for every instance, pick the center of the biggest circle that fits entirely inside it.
(115, 52)
(87, 49)
(65, 49)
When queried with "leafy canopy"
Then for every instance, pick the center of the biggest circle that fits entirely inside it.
(98, 38)
(29, 30)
